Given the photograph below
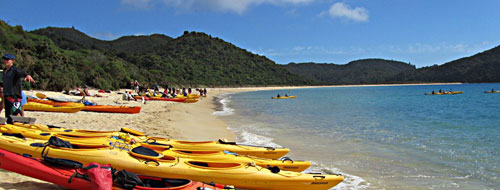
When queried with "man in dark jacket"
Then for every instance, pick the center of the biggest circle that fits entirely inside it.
(12, 86)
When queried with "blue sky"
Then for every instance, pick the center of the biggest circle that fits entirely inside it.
(421, 32)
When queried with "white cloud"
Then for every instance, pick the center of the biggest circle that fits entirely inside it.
(434, 48)
(235, 6)
(105, 36)
(341, 10)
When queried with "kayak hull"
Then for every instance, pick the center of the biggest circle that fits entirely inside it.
(113, 109)
(210, 155)
(34, 106)
(445, 93)
(284, 97)
(244, 176)
(246, 150)
(60, 175)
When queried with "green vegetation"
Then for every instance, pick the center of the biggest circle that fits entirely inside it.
(366, 71)
(482, 67)
(63, 58)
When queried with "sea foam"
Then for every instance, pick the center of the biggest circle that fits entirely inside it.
(245, 137)
(223, 109)
(351, 182)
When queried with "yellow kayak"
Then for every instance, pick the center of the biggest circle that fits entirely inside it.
(149, 94)
(143, 160)
(284, 97)
(190, 100)
(220, 155)
(445, 93)
(220, 145)
(455, 92)
(497, 91)
(34, 106)
(189, 96)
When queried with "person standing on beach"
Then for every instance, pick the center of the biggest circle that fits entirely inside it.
(1, 96)
(12, 86)
(136, 86)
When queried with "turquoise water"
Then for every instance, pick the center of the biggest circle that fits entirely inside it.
(382, 137)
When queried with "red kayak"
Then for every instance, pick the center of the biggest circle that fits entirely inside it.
(61, 175)
(113, 109)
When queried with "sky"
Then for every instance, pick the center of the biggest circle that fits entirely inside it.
(420, 32)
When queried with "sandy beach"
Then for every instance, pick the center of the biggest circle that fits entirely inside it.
(188, 121)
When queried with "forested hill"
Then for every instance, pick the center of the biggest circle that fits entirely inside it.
(365, 71)
(60, 58)
(63, 58)
(482, 67)
(72, 39)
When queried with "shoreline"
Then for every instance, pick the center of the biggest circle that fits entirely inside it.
(185, 121)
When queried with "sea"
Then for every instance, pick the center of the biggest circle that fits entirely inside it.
(379, 137)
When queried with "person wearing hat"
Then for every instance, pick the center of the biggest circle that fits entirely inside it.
(12, 86)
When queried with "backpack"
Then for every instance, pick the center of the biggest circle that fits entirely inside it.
(54, 141)
(128, 180)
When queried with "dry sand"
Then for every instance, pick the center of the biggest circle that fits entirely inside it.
(189, 121)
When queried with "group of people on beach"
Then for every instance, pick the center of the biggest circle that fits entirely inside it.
(11, 94)
(79, 91)
(173, 92)
(168, 92)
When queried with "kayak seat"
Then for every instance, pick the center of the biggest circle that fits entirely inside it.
(176, 182)
(37, 145)
(158, 144)
(213, 164)
(62, 162)
(153, 182)
(145, 151)
(44, 134)
(18, 135)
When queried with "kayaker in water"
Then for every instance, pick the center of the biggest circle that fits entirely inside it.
(433, 92)
(286, 95)
(278, 95)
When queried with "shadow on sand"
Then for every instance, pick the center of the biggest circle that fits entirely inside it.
(30, 185)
